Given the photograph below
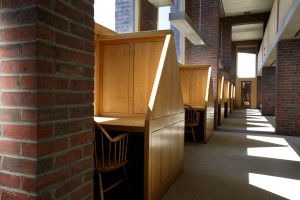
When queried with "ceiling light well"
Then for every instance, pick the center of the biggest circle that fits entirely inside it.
(185, 25)
(160, 3)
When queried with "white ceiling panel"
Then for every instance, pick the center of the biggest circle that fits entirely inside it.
(239, 7)
(247, 32)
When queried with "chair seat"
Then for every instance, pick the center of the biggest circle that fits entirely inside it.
(107, 168)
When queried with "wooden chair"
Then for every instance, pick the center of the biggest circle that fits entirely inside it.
(191, 119)
(110, 155)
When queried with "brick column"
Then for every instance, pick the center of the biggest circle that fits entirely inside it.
(206, 18)
(268, 91)
(259, 85)
(287, 112)
(46, 111)
(124, 14)
(149, 15)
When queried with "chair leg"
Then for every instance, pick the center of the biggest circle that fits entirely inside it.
(127, 180)
(101, 187)
(193, 132)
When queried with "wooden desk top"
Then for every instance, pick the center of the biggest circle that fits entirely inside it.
(122, 124)
(197, 107)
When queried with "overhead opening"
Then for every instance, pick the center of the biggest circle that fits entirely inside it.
(247, 32)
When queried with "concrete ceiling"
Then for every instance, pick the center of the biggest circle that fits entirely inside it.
(247, 32)
(241, 7)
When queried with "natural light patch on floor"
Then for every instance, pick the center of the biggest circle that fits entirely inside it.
(258, 119)
(288, 188)
(286, 152)
(254, 125)
(261, 128)
(253, 112)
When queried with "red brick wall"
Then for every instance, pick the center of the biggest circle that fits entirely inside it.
(208, 54)
(259, 91)
(46, 113)
(288, 87)
(149, 14)
(268, 90)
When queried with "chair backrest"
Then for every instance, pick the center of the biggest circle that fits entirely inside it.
(109, 152)
(191, 116)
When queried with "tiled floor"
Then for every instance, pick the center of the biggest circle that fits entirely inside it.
(244, 159)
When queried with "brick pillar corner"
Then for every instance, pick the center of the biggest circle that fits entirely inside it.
(46, 114)
(268, 91)
(287, 107)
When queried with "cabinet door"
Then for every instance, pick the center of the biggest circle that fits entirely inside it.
(116, 78)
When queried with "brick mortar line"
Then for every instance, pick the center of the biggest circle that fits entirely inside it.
(16, 174)
(60, 121)
(89, 195)
(67, 167)
(49, 90)
(16, 26)
(61, 184)
(17, 140)
(1, 167)
(41, 58)
(72, 149)
(19, 58)
(4, 10)
(85, 105)
(57, 137)
(20, 42)
(4, 138)
(78, 188)
(67, 33)
(34, 107)
(69, 20)
(61, 153)
(10, 189)
(64, 47)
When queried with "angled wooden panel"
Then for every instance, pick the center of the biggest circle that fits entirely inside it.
(166, 84)
(162, 117)
(198, 86)
(116, 96)
(226, 90)
(209, 125)
(185, 85)
(146, 59)
(220, 88)
(221, 99)
(175, 86)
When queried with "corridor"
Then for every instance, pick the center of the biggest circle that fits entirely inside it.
(243, 160)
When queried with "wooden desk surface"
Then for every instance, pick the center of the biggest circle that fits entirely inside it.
(197, 107)
(122, 124)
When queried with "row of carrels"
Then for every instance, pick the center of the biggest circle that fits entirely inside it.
(226, 99)
(140, 89)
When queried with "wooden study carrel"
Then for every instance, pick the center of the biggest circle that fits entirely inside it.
(197, 91)
(137, 89)
(221, 108)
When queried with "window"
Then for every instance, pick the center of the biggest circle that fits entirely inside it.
(163, 18)
(117, 15)
(246, 62)
(164, 23)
